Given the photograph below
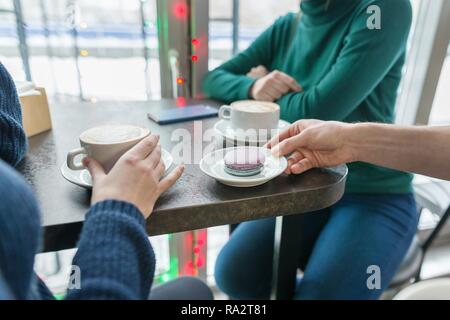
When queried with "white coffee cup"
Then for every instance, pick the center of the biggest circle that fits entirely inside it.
(106, 144)
(251, 115)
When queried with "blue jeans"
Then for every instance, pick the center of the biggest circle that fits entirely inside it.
(344, 240)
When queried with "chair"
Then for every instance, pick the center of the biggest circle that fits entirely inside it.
(433, 195)
(434, 289)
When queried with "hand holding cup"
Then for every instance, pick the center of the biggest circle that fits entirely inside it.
(135, 178)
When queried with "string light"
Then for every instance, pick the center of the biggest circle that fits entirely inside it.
(194, 58)
(84, 53)
(180, 80)
(165, 277)
(195, 42)
(181, 102)
(180, 10)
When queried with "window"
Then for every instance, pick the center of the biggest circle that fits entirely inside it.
(104, 49)
(223, 27)
(440, 114)
(252, 22)
(234, 24)
(427, 65)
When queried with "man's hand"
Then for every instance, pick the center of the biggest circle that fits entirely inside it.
(135, 177)
(313, 143)
(258, 72)
(273, 86)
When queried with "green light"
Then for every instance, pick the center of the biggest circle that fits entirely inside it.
(173, 271)
(165, 277)
(173, 263)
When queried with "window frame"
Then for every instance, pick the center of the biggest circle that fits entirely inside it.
(426, 56)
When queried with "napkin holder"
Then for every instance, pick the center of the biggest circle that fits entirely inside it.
(35, 112)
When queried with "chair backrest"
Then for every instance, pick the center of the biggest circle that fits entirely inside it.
(436, 230)
(434, 289)
(433, 195)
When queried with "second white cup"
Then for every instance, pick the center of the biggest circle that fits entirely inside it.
(251, 115)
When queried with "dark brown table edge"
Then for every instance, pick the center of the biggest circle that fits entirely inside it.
(65, 236)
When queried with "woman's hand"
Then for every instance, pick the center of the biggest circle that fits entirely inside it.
(258, 72)
(135, 177)
(273, 86)
(314, 143)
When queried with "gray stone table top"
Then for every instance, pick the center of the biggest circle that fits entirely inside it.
(196, 201)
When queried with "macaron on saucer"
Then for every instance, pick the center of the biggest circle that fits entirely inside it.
(244, 162)
(243, 166)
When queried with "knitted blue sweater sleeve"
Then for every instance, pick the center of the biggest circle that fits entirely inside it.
(115, 259)
(13, 141)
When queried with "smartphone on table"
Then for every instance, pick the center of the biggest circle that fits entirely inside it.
(181, 114)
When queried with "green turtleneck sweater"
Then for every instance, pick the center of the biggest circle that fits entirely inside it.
(348, 72)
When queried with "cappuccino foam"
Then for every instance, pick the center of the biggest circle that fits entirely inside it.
(113, 134)
(256, 107)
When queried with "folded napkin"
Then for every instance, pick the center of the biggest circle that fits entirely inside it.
(26, 88)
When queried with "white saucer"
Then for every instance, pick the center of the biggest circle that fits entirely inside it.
(83, 178)
(224, 129)
(213, 165)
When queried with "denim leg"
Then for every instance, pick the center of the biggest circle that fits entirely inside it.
(183, 288)
(244, 266)
(363, 230)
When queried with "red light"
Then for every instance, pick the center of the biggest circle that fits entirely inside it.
(180, 80)
(189, 269)
(200, 242)
(199, 262)
(180, 10)
(195, 42)
(196, 250)
(181, 102)
(194, 58)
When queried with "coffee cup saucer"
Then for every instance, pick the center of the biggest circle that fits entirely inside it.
(83, 178)
(213, 165)
(224, 129)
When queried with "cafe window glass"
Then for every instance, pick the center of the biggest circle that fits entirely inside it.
(440, 113)
(220, 32)
(230, 34)
(104, 49)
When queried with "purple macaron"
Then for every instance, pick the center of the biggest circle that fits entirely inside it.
(244, 162)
